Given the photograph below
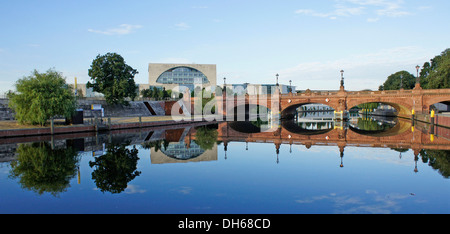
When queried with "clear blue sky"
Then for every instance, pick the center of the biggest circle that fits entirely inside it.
(307, 42)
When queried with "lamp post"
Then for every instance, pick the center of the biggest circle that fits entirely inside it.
(224, 90)
(417, 76)
(290, 86)
(401, 82)
(342, 78)
(277, 78)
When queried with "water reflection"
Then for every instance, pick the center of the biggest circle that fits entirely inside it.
(48, 166)
(41, 168)
(373, 123)
(114, 169)
(437, 159)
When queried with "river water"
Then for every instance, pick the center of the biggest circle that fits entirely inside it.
(309, 166)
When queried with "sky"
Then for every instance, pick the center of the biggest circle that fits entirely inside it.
(308, 42)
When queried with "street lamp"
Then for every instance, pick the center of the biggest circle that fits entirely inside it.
(277, 78)
(417, 77)
(342, 78)
(401, 81)
(290, 86)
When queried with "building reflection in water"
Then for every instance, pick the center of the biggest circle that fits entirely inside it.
(180, 152)
(199, 143)
(190, 144)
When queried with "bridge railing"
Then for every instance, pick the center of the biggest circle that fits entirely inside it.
(316, 93)
(361, 93)
(379, 92)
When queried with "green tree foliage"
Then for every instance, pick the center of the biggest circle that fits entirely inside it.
(439, 74)
(156, 93)
(113, 78)
(401, 78)
(436, 73)
(42, 96)
(41, 169)
(147, 93)
(369, 106)
(207, 98)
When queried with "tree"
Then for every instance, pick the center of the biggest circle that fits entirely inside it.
(113, 78)
(155, 93)
(42, 96)
(436, 73)
(147, 93)
(439, 77)
(406, 79)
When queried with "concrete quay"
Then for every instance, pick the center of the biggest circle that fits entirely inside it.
(12, 129)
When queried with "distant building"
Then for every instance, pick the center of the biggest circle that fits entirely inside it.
(83, 91)
(254, 89)
(174, 76)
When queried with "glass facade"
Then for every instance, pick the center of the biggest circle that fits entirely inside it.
(179, 150)
(183, 76)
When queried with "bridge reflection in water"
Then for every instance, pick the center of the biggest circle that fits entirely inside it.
(201, 142)
(365, 131)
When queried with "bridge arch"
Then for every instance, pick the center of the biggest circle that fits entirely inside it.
(290, 110)
(403, 109)
(436, 100)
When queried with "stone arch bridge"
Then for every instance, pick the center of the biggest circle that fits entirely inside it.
(404, 101)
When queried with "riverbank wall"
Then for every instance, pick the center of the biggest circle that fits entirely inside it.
(96, 108)
(97, 126)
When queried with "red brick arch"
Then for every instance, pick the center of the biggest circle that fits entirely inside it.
(400, 105)
(431, 100)
(290, 104)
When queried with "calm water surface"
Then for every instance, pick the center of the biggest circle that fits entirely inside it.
(220, 169)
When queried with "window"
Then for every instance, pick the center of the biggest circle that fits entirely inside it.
(184, 75)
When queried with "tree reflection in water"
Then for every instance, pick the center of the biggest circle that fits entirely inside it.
(437, 159)
(206, 137)
(116, 168)
(41, 169)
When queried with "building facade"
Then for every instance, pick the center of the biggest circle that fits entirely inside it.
(178, 77)
(258, 89)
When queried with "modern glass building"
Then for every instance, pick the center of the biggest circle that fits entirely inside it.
(178, 77)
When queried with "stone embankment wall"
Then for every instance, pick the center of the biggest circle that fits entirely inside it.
(135, 109)
(5, 112)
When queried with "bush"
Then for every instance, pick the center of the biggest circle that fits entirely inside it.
(42, 96)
